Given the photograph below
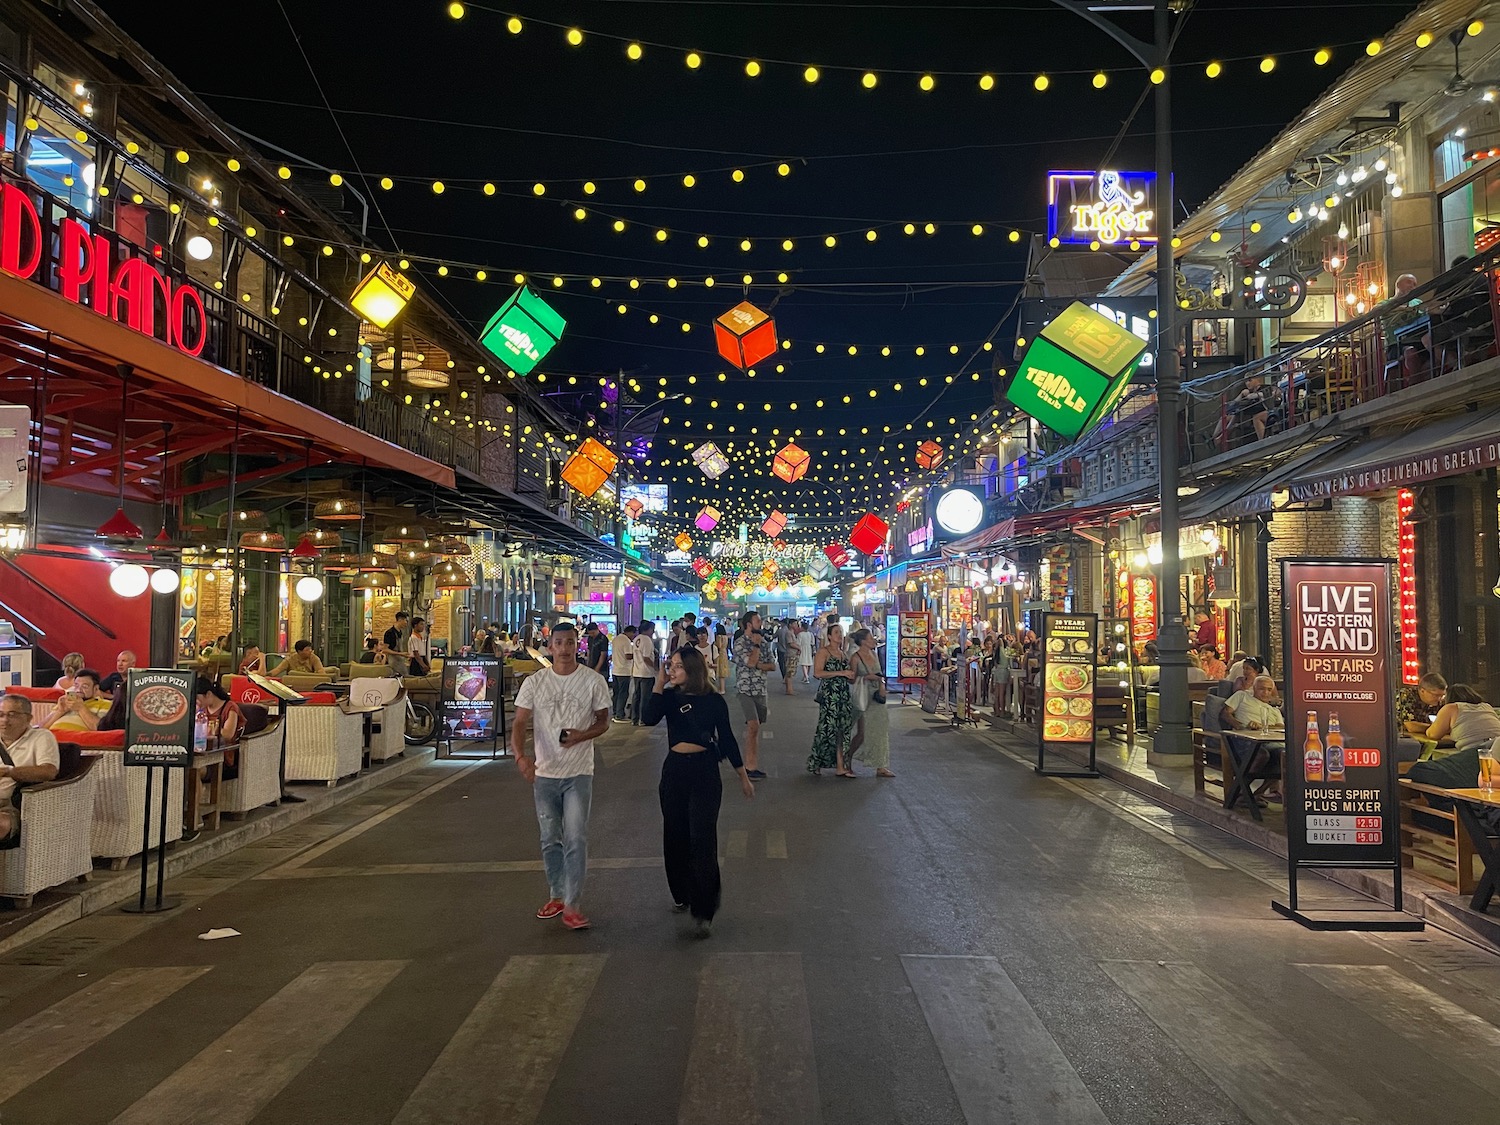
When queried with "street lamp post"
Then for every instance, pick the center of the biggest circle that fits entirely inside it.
(1174, 736)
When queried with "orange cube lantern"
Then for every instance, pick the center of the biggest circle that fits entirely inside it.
(930, 454)
(791, 463)
(745, 335)
(634, 508)
(869, 534)
(589, 468)
(683, 542)
(837, 553)
(775, 524)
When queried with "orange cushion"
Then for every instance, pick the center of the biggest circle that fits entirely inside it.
(94, 738)
(37, 694)
(324, 698)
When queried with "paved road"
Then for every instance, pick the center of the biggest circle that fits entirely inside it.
(968, 943)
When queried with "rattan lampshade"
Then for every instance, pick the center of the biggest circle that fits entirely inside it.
(339, 508)
(272, 542)
(373, 580)
(243, 519)
(449, 576)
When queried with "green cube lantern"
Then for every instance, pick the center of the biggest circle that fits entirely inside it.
(1074, 373)
(523, 331)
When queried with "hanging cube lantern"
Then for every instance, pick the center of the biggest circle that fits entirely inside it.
(702, 568)
(708, 519)
(683, 542)
(930, 454)
(589, 468)
(523, 330)
(710, 458)
(775, 524)
(1076, 370)
(837, 554)
(791, 463)
(381, 295)
(745, 335)
(869, 534)
(779, 544)
(634, 508)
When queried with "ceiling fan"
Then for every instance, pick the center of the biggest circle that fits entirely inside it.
(1458, 85)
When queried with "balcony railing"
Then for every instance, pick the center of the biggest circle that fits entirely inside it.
(1446, 325)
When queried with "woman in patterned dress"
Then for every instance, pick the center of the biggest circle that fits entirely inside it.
(835, 712)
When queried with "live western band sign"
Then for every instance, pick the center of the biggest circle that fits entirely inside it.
(80, 263)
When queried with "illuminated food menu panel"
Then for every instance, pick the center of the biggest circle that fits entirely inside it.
(1142, 609)
(915, 656)
(892, 646)
(471, 698)
(1341, 776)
(1068, 644)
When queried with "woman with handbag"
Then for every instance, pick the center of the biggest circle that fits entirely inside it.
(835, 711)
(699, 734)
(872, 725)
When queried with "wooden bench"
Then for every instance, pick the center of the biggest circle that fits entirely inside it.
(1447, 846)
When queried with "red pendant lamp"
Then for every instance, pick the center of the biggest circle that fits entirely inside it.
(120, 526)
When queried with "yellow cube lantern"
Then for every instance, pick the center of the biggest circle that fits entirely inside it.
(683, 542)
(589, 468)
(381, 295)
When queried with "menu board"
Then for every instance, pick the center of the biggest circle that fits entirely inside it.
(892, 645)
(159, 714)
(960, 607)
(1142, 592)
(914, 650)
(1069, 642)
(1340, 774)
(471, 698)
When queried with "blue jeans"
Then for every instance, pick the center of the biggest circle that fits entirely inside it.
(562, 810)
(640, 688)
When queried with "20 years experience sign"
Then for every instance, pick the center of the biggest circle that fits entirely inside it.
(1340, 773)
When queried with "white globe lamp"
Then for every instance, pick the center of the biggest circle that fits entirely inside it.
(129, 580)
(165, 580)
(309, 588)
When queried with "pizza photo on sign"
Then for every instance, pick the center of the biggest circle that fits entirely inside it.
(160, 705)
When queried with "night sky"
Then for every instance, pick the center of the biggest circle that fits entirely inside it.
(421, 97)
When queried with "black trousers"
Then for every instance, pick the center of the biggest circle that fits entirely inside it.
(691, 792)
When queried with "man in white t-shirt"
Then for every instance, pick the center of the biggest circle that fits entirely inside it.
(1254, 709)
(621, 661)
(30, 756)
(571, 705)
(643, 669)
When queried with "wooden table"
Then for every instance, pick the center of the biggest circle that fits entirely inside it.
(205, 767)
(1253, 740)
(1468, 803)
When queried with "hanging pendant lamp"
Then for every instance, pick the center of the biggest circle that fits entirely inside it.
(120, 526)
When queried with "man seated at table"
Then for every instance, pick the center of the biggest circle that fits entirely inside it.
(1417, 705)
(116, 679)
(81, 708)
(32, 753)
(254, 660)
(303, 659)
(1254, 709)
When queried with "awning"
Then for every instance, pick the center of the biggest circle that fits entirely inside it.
(1017, 530)
(1465, 443)
(1250, 494)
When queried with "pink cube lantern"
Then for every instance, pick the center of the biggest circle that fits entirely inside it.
(775, 524)
(708, 519)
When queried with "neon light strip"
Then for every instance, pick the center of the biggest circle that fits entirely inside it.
(1406, 581)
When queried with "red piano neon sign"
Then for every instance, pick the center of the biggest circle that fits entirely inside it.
(125, 293)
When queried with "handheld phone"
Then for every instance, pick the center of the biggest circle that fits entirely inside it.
(562, 737)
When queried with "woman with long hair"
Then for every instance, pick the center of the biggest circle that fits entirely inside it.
(699, 734)
(872, 725)
(835, 711)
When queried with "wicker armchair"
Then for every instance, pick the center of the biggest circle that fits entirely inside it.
(55, 826)
(119, 803)
(258, 758)
(388, 723)
(323, 742)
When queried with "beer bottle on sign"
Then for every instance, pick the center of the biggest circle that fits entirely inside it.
(1312, 751)
(1333, 760)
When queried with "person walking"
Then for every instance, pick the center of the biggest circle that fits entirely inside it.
(571, 704)
(622, 661)
(835, 711)
(805, 653)
(699, 735)
(786, 652)
(871, 743)
(643, 668)
(752, 660)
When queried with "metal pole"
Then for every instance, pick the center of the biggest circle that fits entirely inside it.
(1174, 737)
(146, 840)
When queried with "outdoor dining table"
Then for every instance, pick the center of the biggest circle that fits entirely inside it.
(1242, 745)
(1467, 804)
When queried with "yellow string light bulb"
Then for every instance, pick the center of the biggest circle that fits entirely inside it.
(1255, 228)
(1101, 80)
(1158, 76)
(575, 37)
(661, 235)
(926, 83)
(783, 169)
(639, 185)
(633, 52)
(284, 172)
(986, 82)
(1213, 69)
(1322, 56)
(752, 68)
(811, 75)
(1373, 47)
(1041, 82)
(787, 244)
(929, 228)
(1054, 242)
(456, 11)
(619, 226)
(538, 189)
(386, 183)
(580, 214)
(830, 242)
(438, 187)
(336, 180)
(689, 180)
(1475, 27)
(703, 242)
(481, 275)
(694, 60)
(1215, 236)
(738, 176)
(869, 80)
(513, 25)
(870, 235)
(976, 230)
(1267, 64)
(909, 228)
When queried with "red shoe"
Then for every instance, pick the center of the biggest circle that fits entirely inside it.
(553, 908)
(575, 920)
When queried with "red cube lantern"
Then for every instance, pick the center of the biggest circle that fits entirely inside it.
(869, 534)
(837, 553)
(930, 454)
(634, 508)
(702, 568)
(779, 544)
(589, 468)
(775, 524)
(745, 335)
(791, 463)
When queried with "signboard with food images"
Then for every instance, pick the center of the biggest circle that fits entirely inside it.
(1069, 644)
(471, 699)
(159, 715)
(915, 650)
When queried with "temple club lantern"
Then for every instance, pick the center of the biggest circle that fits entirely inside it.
(930, 454)
(791, 463)
(869, 534)
(1076, 370)
(523, 331)
(775, 524)
(634, 508)
(837, 553)
(683, 542)
(589, 468)
(708, 518)
(711, 460)
(381, 295)
(745, 335)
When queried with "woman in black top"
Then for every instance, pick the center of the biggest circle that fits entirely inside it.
(699, 733)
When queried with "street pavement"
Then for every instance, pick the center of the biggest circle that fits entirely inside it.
(966, 943)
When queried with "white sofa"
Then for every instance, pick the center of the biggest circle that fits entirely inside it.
(56, 818)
